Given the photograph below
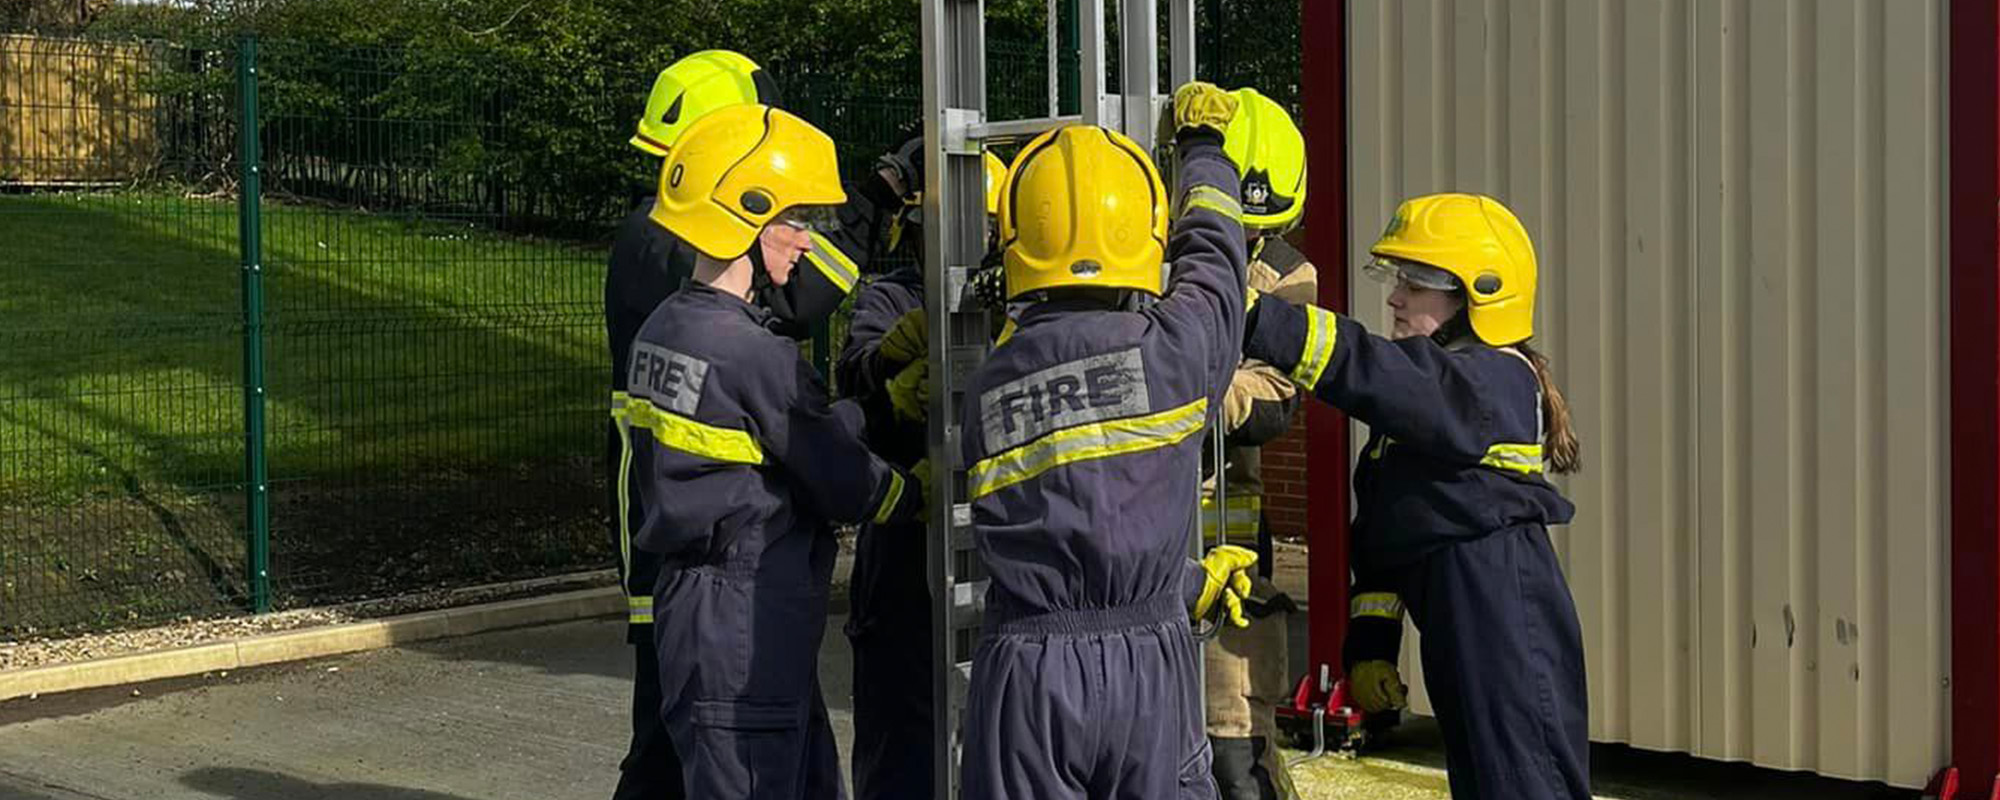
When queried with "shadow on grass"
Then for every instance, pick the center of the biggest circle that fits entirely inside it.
(433, 399)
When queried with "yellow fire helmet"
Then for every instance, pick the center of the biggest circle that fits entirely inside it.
(1268, 148)
(736, 169)
(694, 86)
(1483, 245)
(1083, 206)
(996, 176)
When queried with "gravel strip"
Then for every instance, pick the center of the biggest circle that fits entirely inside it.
(191, 631)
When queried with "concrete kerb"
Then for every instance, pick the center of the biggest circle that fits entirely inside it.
(299, 645)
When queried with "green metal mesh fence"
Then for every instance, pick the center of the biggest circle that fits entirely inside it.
(347, 345)
(120, 337)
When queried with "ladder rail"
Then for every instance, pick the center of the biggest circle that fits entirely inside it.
(956, 133)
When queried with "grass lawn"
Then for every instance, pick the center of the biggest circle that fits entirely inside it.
(421, 376)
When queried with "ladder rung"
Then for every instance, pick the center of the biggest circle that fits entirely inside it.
(967, 599)
(963, 360)
(1017, 128)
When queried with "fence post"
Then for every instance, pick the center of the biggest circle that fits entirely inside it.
(1070, 65)
(250, 221)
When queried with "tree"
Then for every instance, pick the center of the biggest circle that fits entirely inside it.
(54, 16)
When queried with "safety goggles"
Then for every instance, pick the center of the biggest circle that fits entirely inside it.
(1410, 273)
(813, 219)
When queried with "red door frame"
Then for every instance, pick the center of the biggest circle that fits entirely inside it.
(1974, 297)
(1323, 92)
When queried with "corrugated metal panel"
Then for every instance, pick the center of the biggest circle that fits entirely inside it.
(1739, 211)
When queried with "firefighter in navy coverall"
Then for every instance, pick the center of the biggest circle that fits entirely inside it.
(744, 466)
(889, 608)
(1083, 431)
(647, 263)
(1452, 503)
(1245, 668)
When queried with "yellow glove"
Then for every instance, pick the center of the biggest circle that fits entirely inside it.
(1199, 104)
(1228, 570)
(1378, 686)
(907, 340)
(910, 391)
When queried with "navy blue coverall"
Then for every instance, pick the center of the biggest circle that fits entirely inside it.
(647, 263)
(745, 466)
(1085, 439)
(889, 609)
(1451, 521)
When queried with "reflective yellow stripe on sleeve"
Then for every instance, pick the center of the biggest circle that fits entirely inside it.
(1322, 333)
(1086, 443)
(1385, 605)
(619, 418)
(1213, 199)
(832, 263)
(1525, 459)
(639, 610)
(890, 498)
(1245, 512)
(691, 437)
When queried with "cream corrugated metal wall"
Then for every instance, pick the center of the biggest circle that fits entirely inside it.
(1739, 210)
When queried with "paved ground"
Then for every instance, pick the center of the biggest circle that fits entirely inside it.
(539, 713)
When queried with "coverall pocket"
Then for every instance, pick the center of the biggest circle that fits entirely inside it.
(1197, 778)
(750, 748)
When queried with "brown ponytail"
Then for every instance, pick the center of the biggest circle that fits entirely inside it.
(1563, 453)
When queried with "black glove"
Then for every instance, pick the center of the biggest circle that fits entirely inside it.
(907, 162)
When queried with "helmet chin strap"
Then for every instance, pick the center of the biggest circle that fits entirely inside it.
(784, 318)
(1454, 329)
(760, 278)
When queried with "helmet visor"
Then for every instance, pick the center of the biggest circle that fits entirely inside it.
(816, 219)
(1410, 273)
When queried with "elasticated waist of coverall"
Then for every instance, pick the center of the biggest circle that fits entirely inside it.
(1086, 620)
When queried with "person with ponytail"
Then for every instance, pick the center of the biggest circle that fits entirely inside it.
(1452, 498)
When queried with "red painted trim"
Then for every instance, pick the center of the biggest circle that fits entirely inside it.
(1323, 92)
(1974, 169)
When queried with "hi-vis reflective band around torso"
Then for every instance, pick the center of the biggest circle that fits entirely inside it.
(1520, 459)
(666, 389)
(1523, 459)
(1089, 408)
(667, 385)
(835, 265)
(1086, 443)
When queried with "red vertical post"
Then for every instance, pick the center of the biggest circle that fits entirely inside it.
(1323, 92)
(1974, 167)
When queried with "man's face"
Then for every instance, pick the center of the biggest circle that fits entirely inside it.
(783, 245)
